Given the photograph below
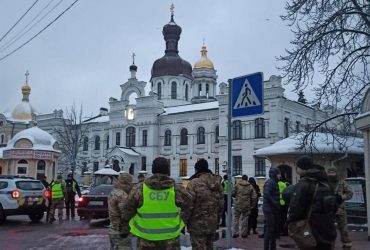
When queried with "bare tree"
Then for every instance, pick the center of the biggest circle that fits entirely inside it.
(71, 135)
(331, 42)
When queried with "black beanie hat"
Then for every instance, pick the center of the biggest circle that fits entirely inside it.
(160, 166)
(201, 166)
(305, 162)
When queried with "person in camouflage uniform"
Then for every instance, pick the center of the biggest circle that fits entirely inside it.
(245, 198)
(343, 192)
(206, 208)
(160, 180)
(58, 192)
(119, 230)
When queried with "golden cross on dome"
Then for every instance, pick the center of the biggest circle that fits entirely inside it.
(172, 9)
(27, 74)
(133, 58)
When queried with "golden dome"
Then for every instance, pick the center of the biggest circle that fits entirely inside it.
(204, 62)
(26, 89)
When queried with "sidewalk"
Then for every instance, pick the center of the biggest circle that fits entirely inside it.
(359, 240)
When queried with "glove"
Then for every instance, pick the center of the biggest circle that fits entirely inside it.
(339, 198)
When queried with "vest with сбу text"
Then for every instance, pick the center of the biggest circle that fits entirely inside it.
(159, 217)
(57, 191)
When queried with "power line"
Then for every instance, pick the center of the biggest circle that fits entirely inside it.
(47, 26)
(18, 20)
(19, 35)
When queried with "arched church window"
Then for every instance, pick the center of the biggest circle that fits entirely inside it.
(167, 138)
(259, 128)
(130, 137)
(184, 137)
(22, 167)
(159, 87)
(173, 90)
(97, 143)
(207, 89)
(217, 134)
(2, 139)
(85, 146)
(186, 92)
(199, 89)
(201, 138)
(40, 169)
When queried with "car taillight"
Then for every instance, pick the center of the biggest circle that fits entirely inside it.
(81, 199)
(101, 193)
(16, 194)
(47, 194)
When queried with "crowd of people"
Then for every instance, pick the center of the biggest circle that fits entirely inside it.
(157, 210)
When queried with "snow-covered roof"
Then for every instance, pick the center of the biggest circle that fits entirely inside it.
(10, 118)
(191, 107)
(40, 139)
(129, 151)
(321, 143)
(106, 171)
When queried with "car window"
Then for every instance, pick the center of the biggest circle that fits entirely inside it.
(106, 189)
(3, 184)
(29, 185)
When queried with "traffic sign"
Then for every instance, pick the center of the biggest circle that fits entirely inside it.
(247, 95)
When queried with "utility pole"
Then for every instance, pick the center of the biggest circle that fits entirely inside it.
(229, 166)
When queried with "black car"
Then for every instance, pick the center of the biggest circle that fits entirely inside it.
(95, 204)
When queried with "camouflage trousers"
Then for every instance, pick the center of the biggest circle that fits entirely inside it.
(202, 242)
(56, 204)
(172, 244)
(119, 241)
(243, 218)
(343, 230)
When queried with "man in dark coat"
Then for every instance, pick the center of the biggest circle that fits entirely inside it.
(270, 208)
(323, 204)
(71, 189)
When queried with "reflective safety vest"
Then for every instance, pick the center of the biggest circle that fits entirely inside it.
(57, 191)
(159, 217)
(226, 186)
(282, 187)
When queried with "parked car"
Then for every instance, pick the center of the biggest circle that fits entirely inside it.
(22, 196)
(95, 204)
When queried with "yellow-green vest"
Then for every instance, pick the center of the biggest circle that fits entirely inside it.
(159, 217)
(282, 187)
(226, 187)
(57, 191)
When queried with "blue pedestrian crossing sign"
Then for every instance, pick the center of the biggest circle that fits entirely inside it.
(247, 95)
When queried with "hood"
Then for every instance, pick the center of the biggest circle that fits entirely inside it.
(212, 181)
(317, 174)
(244, 183)
(159, 181)
(124, 182)
(273, 173)
(197, 174)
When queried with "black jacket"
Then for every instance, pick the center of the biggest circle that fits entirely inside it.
(69, 186)
(271, 196)
(323, 207)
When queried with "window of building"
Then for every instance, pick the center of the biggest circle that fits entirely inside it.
(237, 130)
(186, 92)
(286, 127)
(199, 89)
(22, 167)
(118, 138)
(84, 168)
(207, 89)
(159, 91)
(183, 167)
(260, 167)
(298, 126)
(107, 145)
(201, 137)
(259, 128)
(131, 170)
(1, 170)
(40, 172)
(95, 166)
(167, 138)
(2, 139)
(85, 144)
(97, 143)
(145, 138)
(217, 134)
(173, 90)
(130, 137)
(184, 137)
(237, 165)
(217, 166)
(143, 163)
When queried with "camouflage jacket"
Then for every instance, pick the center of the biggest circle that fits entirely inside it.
(158, 182)
(345, 191)
(245, 196)
(116, 201)
(207, 203)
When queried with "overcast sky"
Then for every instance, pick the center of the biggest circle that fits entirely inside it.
(85, 55)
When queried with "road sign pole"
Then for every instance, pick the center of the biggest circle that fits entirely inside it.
(229, 166)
